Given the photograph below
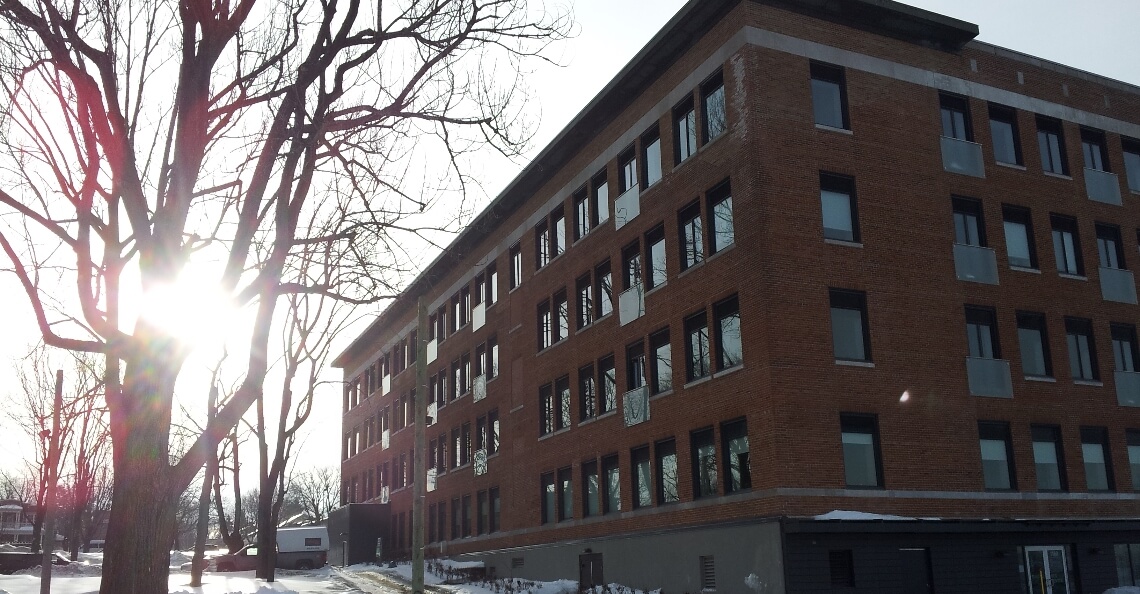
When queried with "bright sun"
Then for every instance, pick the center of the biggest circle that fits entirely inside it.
(193, 309)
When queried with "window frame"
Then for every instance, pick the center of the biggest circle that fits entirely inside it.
(863, 424)
(951, 105)
(645, 147)
(698, 365)
(1031, 321)
(1019, 215)
(660, 374)
(731, 431)
(664, 450)
(1051, 146)
(993, 431)
(1005, 115)
(1130, 151)
(685, 112)
(1076, 327)
(969, 221)
(1050, 434)
(713, 99)
(655, 267)
(704, 474)
(980, 316)
(691, 233)
(851, 300)
(834, 75)
(723, 310)
(1109, 246)
(1092, 138)
(839, 185)
(1097, 436)
(715, 197)
(1060, 226)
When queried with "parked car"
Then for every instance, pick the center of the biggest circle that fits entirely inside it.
(12, 562)
(297, 548)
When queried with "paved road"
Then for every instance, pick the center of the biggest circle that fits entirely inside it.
(372, 582)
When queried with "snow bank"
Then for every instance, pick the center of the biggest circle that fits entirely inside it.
(1123, 590)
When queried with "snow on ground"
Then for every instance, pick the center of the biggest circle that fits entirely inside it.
(1124, 590)
(402, 573)
(321, 581)
(840, 514)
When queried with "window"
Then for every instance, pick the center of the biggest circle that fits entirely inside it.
(840, 216)
(713, 113)
(861, 459)
(1067, 245)
(955, 117)
(582, 219)
(708, 573)
(441, 320)
(651, 157)
(829, 96)
(565, 495)
(1034, 342)
(457, 383)
(631, 266)
(968, 226)
(627, 171)
(496, 509)
(542, 244)
(1082, 349)
(1095, 149)
(1127, 564)
(1098, 466)
(697, 356)
(465, 445)
(491, 367)
(635, 366)
(662, 370)
(656, 273)
(684, 130)
(600, 199)
(516, 265)
(1003, 132)
(607, 383)
(549, 498)
(1132, 163)
(997, 456)
(692, 236)
(562, 403)
(734, 447)
(464, 309)
(1051, 142)
(591, 493)
(587, 393)
(611, 484)
(981, 333)
(1124, 347)
(584, 290)
(703, 448)
(720, 218)
(484, 512)
(492, 432)
(1109, 247)
(441, 518)
(728, 344)
(667, 487)
(1020, 249)
(546, 409)
(1133, 438)
(558, 223)
(642, 491)
(842, 568)
(562, 310)
(850, 337)
(1048, 459)
(604, 289)
(492, 284)
(545, 325)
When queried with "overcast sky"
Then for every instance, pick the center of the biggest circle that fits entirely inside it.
(1093, 35)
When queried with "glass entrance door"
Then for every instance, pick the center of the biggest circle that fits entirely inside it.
(1047, 573)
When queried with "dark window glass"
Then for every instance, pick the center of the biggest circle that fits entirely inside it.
(1067, 245)
(714, 116)
(1003, 132)
(603, 290)
(1020, 249)
(662, 368)
(1082, 349)
(955, 117)
(587, 392)
(1095, 149)
(997, 456)
(1048, 458)
(734, 446)
(635, 366)
(651, 157)
(721, 230)
(656, 273)
(981, 333)
(549, 498)
(840, 215)
(829, 95)
(1033, 339)
(1051, 143)
(627, 171)
(703, 449)
(842, 568)
(1109, 247)
(698, 359)
(850, 335)
(1132, 162)
(692, 236)
(668, 490)
(600, 199)
(607, 385)
(862, 462)
(969, 228)
(1097, 460)
(582, 218)
(642, 479)
(516, 265)
(684, 130)
(565, 495)
(611, 484)
(591, 489)
(729, 347)
(1125, 355)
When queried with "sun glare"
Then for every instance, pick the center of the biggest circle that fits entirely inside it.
(193, 309)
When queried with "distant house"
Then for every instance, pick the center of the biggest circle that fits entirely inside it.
(15, 522)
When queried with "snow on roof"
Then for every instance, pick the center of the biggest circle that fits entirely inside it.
(11, 507)
(840, 514)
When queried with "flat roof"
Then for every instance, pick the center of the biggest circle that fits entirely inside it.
(692, 21)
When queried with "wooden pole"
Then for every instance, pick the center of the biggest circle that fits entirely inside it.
(47, 536)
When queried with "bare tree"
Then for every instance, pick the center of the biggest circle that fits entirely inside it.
(230, 529)
(311, 323)
(82, 464)
(144, 137)
(316, 491)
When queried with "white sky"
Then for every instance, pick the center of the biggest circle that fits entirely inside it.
(1093, 35)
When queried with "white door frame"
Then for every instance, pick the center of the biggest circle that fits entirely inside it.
(1044, 550)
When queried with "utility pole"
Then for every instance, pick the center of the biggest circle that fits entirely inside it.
(418, 466)
(47, 537)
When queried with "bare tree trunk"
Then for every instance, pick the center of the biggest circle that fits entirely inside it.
(198, 563)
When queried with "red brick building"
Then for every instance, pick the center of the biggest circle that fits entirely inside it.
(799, 256)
